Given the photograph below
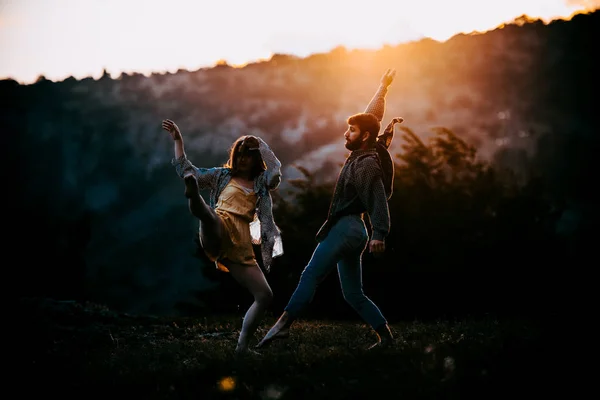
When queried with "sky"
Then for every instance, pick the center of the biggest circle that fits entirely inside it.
(82, 38)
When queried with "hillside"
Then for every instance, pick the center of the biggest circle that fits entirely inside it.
(98, 198)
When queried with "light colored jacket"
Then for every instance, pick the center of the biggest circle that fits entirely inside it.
(216, 178)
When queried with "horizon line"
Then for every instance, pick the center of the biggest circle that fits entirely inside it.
(517, 21)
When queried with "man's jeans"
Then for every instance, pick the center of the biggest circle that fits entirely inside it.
(343, 246)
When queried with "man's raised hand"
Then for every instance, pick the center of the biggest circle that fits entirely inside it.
(388, 77)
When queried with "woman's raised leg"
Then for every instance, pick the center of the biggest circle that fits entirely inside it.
(211, 225)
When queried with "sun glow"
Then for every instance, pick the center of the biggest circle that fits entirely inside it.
(80, 38)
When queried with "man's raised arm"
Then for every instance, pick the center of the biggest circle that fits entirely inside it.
(377, 104)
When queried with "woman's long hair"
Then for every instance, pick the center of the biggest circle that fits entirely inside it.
(247, 144)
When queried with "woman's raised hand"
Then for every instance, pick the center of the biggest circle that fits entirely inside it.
(172, 128)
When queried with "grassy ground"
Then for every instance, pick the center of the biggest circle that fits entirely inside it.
(87, 351)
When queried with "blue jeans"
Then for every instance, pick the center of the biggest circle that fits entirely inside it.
(343, 246)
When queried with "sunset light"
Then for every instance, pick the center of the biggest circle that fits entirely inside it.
(318, 199)
(61, 38)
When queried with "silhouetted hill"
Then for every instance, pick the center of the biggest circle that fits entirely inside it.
(92, 166)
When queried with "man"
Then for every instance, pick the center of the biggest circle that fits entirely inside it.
(363, 185)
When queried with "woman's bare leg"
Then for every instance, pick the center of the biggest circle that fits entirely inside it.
(253, 279)
(196, 203)
(212, 228)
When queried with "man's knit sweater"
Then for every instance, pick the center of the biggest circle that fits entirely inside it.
(359, 187)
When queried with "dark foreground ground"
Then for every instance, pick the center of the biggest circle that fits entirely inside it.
(87, 351)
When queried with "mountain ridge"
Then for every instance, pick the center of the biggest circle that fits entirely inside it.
(521, 94)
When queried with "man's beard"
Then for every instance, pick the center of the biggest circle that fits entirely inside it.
(353, 145)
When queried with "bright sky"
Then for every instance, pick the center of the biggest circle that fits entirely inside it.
(80, 38)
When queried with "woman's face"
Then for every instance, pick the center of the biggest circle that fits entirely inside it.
(247, 156)
(245, 161)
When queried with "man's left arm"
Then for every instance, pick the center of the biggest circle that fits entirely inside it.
(371, 191)
(377, 104)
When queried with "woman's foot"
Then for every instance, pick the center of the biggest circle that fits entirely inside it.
(191, 186)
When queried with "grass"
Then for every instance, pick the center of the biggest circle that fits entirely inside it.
(87, 351)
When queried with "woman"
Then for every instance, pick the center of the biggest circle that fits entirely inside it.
(239, 196)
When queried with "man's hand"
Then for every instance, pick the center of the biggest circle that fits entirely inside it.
(377, 247)
(172, 128)
(388, 77)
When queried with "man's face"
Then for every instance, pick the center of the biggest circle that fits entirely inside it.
(354, 138)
